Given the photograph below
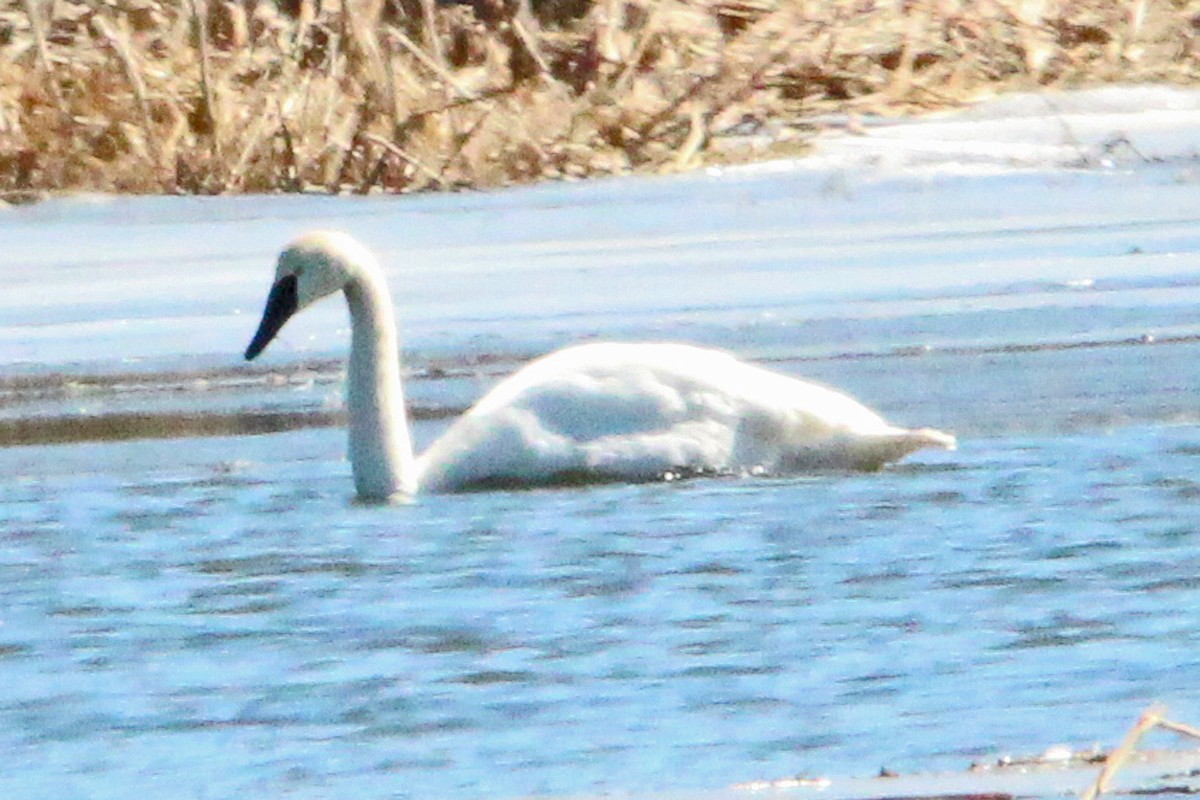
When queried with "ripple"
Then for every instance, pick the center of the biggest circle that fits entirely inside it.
(567, 638)
(494, 676)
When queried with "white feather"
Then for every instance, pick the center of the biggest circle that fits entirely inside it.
(599, 412)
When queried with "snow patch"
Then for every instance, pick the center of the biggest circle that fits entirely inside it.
(1113, 127)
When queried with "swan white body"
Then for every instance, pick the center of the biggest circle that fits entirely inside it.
(593, 412)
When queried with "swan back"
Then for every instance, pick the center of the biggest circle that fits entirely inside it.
(640, 411)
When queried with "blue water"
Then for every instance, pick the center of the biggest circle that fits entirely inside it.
(214, 617)
(213, 633)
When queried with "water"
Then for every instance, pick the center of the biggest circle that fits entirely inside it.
(212, 615)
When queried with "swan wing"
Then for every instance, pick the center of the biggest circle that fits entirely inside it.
(613, 411)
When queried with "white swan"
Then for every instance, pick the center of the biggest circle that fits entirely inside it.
(598, 412)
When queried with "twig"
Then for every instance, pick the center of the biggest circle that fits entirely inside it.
(1179, 727)
(648, 32)
(335, 64)
(645, 133)
(402, 131)
(748, 84)
(463, 139)
(210, 109)
(524, 27)
(392, 149)
(254, 139)
(345, 163)
(694, 141)
(304, 19)
(902, 76)
(291, 177)
(429, 19)
(120, 45)
(430, 64)
(43, 53)
(1151, 717)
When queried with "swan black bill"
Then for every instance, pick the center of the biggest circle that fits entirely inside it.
(281, 305)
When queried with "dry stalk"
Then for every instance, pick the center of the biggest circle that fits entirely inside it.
(1152, 717)
(119, 42)
(304, 19)
(293, 178)
(696, 137)
(902, 76)
(648, 32)
(393, 150)
(1149, 718)
(609, 16)
(464, 139)
(210, 108)
(1180, 728)
(359, 28)
(1135, 18)
(484, 99)
(432, 40)
(389, 77)
(633, 68)
(254, 139)
(440, 72)
(525, 28)
(337, 64)
(380, 72)
(341, 175)
(43, 54)
(646, 132)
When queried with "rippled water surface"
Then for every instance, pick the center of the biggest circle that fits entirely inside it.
(192, 605)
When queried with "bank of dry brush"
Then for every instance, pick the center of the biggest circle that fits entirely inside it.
(207, 96)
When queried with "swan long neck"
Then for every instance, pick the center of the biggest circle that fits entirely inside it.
(381, 454)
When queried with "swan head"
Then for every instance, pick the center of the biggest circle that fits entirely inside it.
(311, 267)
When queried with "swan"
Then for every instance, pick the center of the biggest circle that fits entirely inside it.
(593, 412)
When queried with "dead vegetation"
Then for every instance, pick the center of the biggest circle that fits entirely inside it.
(210, 96)
(1153, 717)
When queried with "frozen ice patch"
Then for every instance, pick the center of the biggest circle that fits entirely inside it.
(1105, 128)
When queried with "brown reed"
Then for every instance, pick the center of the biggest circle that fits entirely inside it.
(214, 96)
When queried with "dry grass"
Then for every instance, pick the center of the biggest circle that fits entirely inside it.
(207, 96)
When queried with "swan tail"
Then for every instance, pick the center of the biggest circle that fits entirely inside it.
(931, 437)
(898, 444)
